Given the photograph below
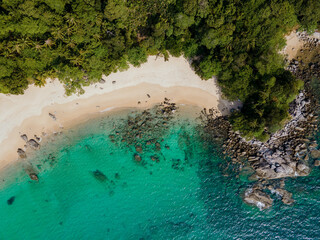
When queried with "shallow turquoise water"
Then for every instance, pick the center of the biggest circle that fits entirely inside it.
(189, 193)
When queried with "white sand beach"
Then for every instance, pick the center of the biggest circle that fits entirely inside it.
(148, 84)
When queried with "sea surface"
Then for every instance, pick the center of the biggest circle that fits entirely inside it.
(130, 175)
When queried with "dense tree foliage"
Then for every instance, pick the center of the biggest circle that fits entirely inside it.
(236, 40)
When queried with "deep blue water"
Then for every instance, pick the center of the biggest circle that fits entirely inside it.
(181, 189)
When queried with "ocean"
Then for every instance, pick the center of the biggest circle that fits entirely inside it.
(138, 175)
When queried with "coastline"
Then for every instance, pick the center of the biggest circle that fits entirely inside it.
(149, 84)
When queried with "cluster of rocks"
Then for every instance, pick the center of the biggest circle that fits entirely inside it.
(257, 195)
(306, 64)
(32, 144)
(144, 131)
(216, 126)
(309, 39)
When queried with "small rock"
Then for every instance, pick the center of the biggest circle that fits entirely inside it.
(33, 143)
(33, 176)
(37, 138)
(158, 146)
(24, 137)
(317, 163)
(52, 116)
(21, 153)
(139, 148)
(137, 157)
(102, 81)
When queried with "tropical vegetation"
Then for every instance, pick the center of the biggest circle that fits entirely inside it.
(77, 41)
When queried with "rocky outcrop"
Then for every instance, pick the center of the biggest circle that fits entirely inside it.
(258, 198)
(286, 153)
(289, 151)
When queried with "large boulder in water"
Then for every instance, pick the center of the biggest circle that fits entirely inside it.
(258, 198)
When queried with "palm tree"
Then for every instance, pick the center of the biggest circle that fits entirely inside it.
(48, 42)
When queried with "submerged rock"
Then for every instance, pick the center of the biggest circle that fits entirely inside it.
(258, 198)
(158, 146)
(99, 175)
(139, 148)
(137, 157)
(33, 176)
(11, 200)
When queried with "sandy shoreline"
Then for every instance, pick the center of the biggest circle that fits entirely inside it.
(149, 85)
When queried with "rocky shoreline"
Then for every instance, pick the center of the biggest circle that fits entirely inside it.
(291, 151)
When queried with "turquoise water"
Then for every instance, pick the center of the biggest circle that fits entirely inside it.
(92, 187)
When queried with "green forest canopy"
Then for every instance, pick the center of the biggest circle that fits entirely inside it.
(237, 40)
